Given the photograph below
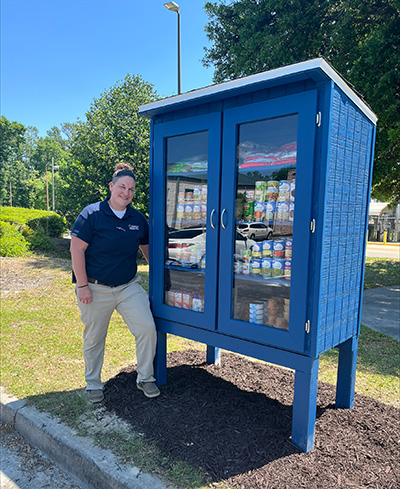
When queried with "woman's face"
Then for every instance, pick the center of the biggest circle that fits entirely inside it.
(122, 193)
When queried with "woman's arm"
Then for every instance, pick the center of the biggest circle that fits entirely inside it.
(77, 249)
(145, 250)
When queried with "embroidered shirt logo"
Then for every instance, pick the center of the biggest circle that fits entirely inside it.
(133, 227)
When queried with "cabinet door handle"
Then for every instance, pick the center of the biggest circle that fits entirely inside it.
(211, 218)
(222, 219)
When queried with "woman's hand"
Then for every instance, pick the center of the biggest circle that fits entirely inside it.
(85, 295)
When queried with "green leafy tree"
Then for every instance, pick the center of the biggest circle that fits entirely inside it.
(112, 132)
(15, 171)
(360, 38)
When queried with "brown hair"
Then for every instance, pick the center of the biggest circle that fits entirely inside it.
(122, 170)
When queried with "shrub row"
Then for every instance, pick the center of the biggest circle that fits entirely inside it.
(23, 230)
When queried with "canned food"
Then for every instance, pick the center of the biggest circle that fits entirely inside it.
(256, 306)
(260, 191)
(270, 210)
(266, 267)
(282, 211)
(197, 303)
(288, 268)
(267, 248)
(197, 194)
(257, 250)
(259, 211)
(278, 247)
(292, 189)
(288, 248)
(278, 266)
(272, 190)
(256, 266)
(248, 211)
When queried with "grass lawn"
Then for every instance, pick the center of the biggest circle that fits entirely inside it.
(41, 334)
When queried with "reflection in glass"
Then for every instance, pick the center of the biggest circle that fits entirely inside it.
(186, 215)
(265, 202)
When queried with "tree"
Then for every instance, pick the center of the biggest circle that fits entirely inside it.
(15, 172)
(112, 132)
(358, 37)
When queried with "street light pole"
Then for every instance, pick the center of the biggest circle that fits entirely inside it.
(52, 179)
(174, 7)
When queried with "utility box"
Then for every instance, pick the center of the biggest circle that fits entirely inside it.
(258, 215)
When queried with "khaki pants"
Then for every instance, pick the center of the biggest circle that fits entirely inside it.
(132, 302)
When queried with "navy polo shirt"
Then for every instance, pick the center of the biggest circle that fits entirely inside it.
(112, 242)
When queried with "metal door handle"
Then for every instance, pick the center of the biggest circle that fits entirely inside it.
(211, 218)
(222, 219)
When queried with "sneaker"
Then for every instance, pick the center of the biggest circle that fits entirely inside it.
(149, 389)
(95, 395)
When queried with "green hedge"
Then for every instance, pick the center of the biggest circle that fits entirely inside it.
(12, 243)
(49, 222)
(23, 230)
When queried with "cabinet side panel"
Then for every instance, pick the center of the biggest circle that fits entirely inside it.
(349, 168)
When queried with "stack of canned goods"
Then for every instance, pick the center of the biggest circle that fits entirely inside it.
(274, 312)
(269, 259)
(277, 258)
(271, 201)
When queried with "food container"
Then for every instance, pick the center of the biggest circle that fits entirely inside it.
(257, 250)
(260, 192)
(278, 248)
(256, 266)
(278, 266)
(197, 303)
(288, 248)
(270, 210)
(267, 247)
(248, 211)
(197, 194)
(259, 211)
(266, 270)
(187, 301)
(178, 299)
(272, 190)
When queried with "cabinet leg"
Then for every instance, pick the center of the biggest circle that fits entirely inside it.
(160, 359)
(305, 407)
(213, 355)
(346, 377)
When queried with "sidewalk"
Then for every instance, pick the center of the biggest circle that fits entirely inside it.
(381, 310)
(95, 467)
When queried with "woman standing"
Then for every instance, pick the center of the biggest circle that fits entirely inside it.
(105, 240)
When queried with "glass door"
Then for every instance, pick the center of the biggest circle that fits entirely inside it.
(271, 152)
(186, 185)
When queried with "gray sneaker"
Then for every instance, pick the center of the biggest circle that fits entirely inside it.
(95, 395)
(149, 389)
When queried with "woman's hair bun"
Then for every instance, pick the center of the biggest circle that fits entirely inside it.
(122, 166)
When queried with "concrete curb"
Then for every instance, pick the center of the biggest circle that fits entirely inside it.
(95, 467)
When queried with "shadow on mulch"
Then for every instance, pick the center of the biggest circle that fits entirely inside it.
(234, 421)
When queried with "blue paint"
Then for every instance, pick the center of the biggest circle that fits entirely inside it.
(333, 181)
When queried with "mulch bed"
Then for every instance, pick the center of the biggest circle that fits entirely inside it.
(234, 421)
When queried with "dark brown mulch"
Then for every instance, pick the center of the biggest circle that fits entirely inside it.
(234, 421)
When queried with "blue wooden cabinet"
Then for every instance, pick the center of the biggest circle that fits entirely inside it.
(259, 196)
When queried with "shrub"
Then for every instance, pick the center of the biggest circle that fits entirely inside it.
(38, 240)
(12, 243)
(50, 223)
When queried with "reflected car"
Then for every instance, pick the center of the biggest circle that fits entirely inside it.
(188, 237)
(255, 230)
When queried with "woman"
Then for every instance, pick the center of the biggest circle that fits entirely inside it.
(105, 240)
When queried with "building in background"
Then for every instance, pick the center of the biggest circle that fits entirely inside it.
(383, 216)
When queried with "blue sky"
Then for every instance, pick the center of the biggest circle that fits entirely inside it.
(59, 55)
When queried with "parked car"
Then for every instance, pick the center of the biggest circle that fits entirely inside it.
(185, 238)
(255, 230)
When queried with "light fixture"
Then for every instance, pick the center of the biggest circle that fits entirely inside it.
(174, 7)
